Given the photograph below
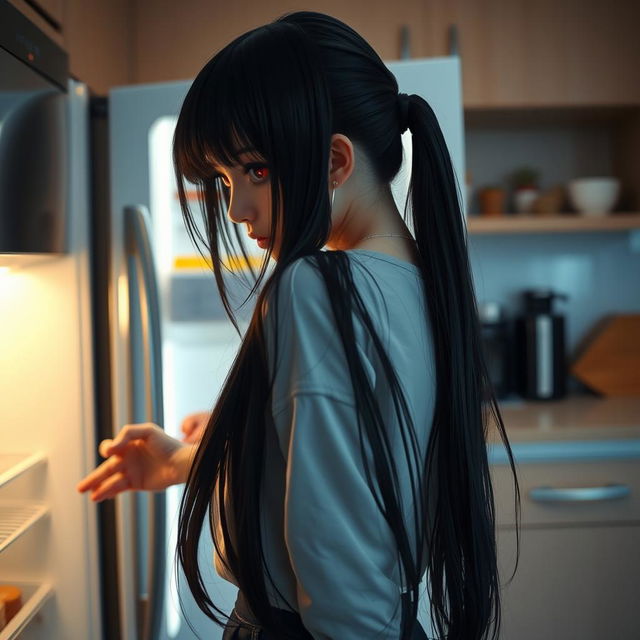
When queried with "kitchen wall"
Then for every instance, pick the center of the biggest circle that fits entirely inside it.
(599, 273)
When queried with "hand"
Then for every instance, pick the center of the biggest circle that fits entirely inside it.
(140, 457)
(193, 426)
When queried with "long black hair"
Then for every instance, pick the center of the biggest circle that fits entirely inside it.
(284, 89)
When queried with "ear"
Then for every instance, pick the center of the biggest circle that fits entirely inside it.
(341, 159)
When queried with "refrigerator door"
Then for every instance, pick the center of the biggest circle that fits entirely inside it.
(439, 82)
(47, 401)
(141, 121)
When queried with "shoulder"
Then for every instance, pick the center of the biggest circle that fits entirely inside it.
(300, 288)
(303, 277)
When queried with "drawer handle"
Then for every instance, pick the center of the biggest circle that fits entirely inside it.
(590, 494)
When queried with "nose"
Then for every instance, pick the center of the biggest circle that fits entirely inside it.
(241, 208)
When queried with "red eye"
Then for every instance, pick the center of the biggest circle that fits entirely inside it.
(259, 173)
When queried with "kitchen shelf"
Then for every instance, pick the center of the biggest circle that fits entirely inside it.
(17, 517)
(13, 465)
(34, 595)
(517, 223)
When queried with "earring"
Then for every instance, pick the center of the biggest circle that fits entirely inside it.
(333, 193)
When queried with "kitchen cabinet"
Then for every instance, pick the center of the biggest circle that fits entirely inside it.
(547, 53)
(573, 582)
(579, 560)
(53, 10)
(562, 144)
(514, 53)
(98, 38)
(174, 40)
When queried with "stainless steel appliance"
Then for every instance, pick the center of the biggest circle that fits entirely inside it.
(540, 338)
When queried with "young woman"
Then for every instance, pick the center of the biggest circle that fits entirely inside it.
(346, 454)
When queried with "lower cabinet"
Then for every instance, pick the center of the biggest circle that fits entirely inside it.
(571, 582)
(579, 565)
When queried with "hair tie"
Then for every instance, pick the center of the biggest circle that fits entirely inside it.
(403, 108)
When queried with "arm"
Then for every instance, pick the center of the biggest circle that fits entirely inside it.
(182, 460)
(142, 457)
(340, 547)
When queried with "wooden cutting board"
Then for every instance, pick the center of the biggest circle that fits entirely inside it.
(610, 362)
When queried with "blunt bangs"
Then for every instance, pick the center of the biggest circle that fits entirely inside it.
(251, 94)
(266, 91)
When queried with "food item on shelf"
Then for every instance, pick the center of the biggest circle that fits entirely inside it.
(11, 597)
(550, 202)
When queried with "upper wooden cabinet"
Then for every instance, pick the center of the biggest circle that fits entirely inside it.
(52, 8)
(544, 53)
(515, 53)
(174, 40)
(98, 37)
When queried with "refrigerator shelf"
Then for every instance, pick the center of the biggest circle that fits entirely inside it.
(14, 464)
(16, 518)
(34, 595)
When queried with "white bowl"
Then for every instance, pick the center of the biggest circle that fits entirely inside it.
(594, 196)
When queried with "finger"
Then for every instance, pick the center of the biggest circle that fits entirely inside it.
(112, 487)
(100, 474)
(125, 436)
(193, 437)
(188, 425)
(104, 446)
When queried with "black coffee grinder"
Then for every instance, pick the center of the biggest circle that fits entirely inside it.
(540, 347)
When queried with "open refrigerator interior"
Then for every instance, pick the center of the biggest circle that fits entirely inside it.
(48, 542)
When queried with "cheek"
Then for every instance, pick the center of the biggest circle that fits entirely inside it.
(266, 203)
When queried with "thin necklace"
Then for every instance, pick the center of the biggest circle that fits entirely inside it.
(387, 235)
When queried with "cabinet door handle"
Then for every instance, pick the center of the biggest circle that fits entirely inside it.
(580, 494)
(454, 40)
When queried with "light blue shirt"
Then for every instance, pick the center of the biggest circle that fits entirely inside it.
(329, 549)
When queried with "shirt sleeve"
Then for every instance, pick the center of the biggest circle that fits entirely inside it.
(340, 547)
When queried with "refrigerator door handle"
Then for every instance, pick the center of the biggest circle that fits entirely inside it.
(138, 247)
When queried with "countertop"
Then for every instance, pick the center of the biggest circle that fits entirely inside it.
(581, 427)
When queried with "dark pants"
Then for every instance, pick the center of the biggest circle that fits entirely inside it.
(240, 627)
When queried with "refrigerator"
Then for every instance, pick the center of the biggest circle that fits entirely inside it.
(109, 316)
